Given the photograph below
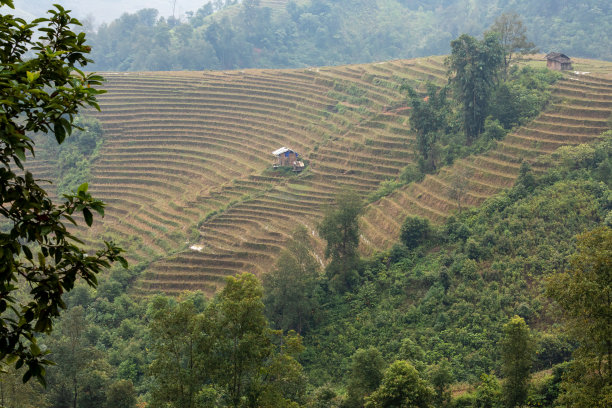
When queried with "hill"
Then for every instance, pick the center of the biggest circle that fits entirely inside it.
(290, 34)
(186, 163)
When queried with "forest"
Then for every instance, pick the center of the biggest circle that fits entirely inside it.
(438, 313)
(502, 305)
(232, 35)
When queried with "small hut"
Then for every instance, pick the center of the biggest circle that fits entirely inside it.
(558, 61)
(286, 157)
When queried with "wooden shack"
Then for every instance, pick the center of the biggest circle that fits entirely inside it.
(286, 157)
(558, 61)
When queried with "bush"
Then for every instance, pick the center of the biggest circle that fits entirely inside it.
(494, 129)
(415, 231)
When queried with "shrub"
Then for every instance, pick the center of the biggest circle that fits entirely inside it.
(415, 231)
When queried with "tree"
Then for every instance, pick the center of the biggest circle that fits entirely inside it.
(517, 358)
(513, 37)
(488, 392)
(121, 394)
(242, 341)
(585, 295)
(474, 66)
(181, 349)
(290, 287)
(41, 91)
(429, 118)
(414, 231)
(340, 228)
(460, 181)
(366, 374)
(441, 378)
(401, 387)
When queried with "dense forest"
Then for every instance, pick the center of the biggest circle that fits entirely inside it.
(230, 35)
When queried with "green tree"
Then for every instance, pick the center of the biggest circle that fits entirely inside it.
(585, 295)
(474, 66)
(340, 228)
(414, 231)
(517, 349)
(290, 287)
(513, 37)
(429, 118)
(488, 392)
(121, 394)
(366, 373)
(242, 342)
(81, 373)
(441, 377)
(181, 352)
(401, 387)
(41, 90)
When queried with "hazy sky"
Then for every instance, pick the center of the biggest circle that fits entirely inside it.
(104, 10)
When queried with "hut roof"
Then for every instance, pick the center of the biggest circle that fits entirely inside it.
(557, 56)
(281, 151)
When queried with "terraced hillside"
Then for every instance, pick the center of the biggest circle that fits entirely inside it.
(186, 163)
(580, 113)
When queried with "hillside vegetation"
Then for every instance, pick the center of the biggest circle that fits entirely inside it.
(284, 34)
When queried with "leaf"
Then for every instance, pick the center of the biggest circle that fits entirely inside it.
(26, 377)
(123, 262)
(60, 132)
(34, 349)
(27, 252)
(32, 76)
(41, 260)
(88, 216)
(83, 188)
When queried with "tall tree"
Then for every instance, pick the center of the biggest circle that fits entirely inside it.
(181, 343)
(340, 228)
(242, 341)
(585, 295)
(401, 386)
(474, 67)
(41, 90)
(290, 287)
(429, 118)
(513, 38)
(366, 373)
(517, 359)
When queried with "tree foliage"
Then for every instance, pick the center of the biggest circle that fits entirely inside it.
(517, 358)
(401, 387)
(366, 373)
(311, 33)
(290, 288)
(513, 37)
(474, 65)
(415, 231)
(340, 229)
(429, 117)
(222, 353)
(585, 295)
(41, 90)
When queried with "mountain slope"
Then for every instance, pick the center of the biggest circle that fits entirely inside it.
(186, 164)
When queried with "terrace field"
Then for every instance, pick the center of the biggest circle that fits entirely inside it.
(186, 164)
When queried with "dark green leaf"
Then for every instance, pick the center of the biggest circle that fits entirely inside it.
(88, 216)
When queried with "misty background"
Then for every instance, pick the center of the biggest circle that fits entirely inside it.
(97, 12)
